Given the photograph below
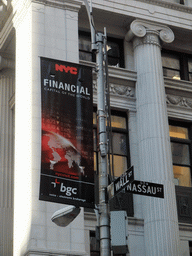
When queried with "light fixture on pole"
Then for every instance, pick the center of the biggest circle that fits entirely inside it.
(65, 216)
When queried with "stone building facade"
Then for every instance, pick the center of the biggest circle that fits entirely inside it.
(150, 80)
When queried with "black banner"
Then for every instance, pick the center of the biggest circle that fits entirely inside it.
(67, 174)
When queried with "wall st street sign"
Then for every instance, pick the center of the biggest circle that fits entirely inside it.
(120, 183)
(126, 181)
(145, 188)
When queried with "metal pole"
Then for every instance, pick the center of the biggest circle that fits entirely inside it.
(103, 175)
(104, 219)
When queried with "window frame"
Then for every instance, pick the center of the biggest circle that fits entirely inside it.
(183, 141)
(183, 62)
(115, 130)
(117, 41)
(123, 201)
(184, 194)
(94, 244)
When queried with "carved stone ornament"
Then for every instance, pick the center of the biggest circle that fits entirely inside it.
(139, 28)
(152, 37)
(179, 101)
(119, 90)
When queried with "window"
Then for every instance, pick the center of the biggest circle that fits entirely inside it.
(171, 66)
(94, 244)
(181, 147)
(190, 68)
(180, 134)
(177, 65)
(119, 142)
(121, 160)
(114, 47)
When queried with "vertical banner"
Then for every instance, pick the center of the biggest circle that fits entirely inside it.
(67, 171)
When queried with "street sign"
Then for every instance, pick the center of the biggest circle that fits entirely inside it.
(145, 188)
(120, 183)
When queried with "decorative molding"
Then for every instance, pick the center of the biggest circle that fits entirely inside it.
(119, 90)
(151, 37)
(179, 101)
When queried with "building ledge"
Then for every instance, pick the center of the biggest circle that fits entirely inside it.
(178, 85)
(116, 74)
(185, 227)
(166, 4)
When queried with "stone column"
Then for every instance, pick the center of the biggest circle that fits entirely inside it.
(6, 162)
(160, 215)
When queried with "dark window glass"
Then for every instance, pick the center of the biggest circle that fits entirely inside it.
(114, 50)
(177, 65)
(85, 52)
(94, 245)
(180, 153)
(171, 66)
(190, 248)
(190, 68)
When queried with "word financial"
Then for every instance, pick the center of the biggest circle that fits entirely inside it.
(65, 86)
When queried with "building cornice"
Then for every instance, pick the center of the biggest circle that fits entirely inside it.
(53, 252)
(166, 4)
(73, 5)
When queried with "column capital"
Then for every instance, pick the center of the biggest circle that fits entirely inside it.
(139, 28)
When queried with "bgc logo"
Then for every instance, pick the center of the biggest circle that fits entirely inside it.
(68, 191)
(66, 69)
